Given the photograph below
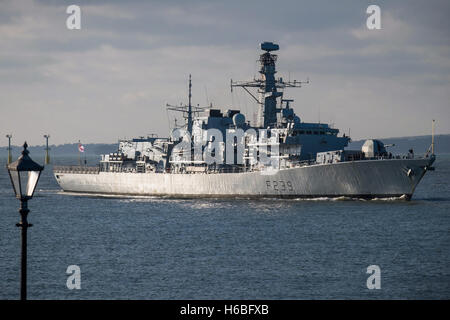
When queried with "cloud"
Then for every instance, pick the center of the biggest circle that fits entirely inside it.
(113, 77)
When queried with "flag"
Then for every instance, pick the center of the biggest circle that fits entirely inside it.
(80, 147)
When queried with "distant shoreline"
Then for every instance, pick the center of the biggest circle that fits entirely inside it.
(419, 144)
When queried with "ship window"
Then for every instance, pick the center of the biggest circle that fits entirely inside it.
(315, 132)
(308, 132)
(321, 132)
(302, 132)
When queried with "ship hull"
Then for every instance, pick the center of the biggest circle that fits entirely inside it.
(359, 179)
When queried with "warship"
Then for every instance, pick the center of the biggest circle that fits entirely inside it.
(219, 153)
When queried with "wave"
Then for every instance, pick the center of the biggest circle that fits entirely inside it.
(144, 198)
(48, 190)
(347, 198)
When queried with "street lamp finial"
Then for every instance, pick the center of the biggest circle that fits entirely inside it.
(25, 151)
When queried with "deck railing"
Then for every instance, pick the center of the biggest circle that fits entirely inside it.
(75, 169)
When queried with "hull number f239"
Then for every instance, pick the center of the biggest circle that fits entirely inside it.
(279, 185)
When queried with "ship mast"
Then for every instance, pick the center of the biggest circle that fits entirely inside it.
(187, 110)
(267, 86)
(189, 115)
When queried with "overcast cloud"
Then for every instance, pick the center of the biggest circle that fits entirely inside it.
(113, 78)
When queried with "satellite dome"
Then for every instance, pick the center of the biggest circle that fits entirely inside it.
(238, 119)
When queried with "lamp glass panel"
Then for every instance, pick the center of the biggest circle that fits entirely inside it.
(23, 182)
(32, 179)
(15, 178)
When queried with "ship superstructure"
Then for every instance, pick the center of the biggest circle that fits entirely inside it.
(219, 153)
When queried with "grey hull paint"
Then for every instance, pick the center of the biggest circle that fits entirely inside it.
(361, 179)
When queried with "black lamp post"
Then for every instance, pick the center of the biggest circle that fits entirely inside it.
(24, 174)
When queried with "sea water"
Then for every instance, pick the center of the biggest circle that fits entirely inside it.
(158, 248)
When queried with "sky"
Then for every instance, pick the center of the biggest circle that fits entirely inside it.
(113, 78)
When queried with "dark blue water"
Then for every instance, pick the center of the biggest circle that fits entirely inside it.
(150, 248)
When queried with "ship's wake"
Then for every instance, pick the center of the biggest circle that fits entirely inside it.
(346, 198)
(137, 198)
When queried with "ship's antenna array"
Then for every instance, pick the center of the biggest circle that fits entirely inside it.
(267, 86)
(188, 111)
(189, 115)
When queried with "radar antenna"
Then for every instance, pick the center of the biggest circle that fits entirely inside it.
(267, 86)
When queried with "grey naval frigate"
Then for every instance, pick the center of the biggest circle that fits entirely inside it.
(218, 153)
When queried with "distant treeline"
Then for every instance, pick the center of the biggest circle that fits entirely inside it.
(419, 144)
(65, 149)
